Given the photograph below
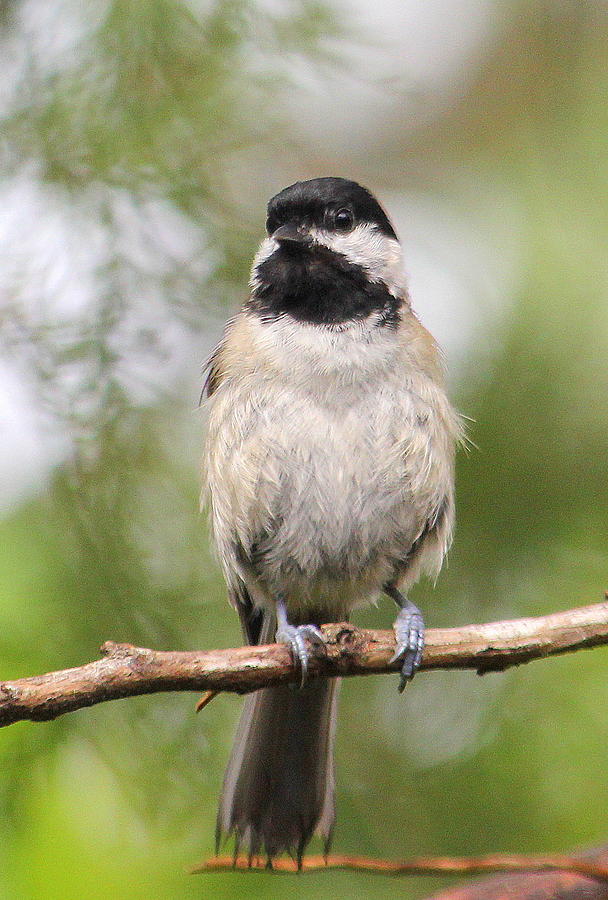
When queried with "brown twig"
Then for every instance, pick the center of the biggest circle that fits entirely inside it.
(572, 883)
(205, 700)
(419, 865)
(126, 671)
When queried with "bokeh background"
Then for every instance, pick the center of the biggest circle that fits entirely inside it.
(139, 143)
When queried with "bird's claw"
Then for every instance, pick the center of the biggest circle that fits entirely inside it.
(295, 637)
(409, 632)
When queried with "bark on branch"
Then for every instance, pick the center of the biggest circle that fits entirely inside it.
(126, 671)
(583, 865)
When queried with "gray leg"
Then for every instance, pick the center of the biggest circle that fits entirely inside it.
(409, 631)
(295, 638)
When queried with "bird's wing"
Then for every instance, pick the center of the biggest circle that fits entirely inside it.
(253, 618)
(214, 367)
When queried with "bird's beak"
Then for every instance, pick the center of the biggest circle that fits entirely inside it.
(292, 234)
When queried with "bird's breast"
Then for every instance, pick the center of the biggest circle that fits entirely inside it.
(320, 482)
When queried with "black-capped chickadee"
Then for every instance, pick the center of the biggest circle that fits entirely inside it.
(329, 468)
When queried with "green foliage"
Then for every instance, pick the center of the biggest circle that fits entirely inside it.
(136, 130)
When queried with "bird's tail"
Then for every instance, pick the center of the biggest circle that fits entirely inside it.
(279, 785)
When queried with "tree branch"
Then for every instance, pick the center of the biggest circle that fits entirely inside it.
(584, 877)
(126, 671)
(419, 865)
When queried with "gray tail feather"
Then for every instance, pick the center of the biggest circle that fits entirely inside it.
(279, 785)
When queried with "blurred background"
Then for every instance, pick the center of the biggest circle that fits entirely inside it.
(139, 143)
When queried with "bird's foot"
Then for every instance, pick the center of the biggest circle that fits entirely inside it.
(295, 636)
(409, 632)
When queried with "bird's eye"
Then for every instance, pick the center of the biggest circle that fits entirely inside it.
(344, 220)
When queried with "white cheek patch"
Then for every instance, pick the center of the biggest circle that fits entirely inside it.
(265, 251)
(367, 247)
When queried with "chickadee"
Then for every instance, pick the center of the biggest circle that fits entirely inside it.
(330, 472)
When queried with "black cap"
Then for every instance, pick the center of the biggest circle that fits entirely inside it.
(313, 201)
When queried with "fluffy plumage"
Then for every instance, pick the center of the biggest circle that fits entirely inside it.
(329, 470)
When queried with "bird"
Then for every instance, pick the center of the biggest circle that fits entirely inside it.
(329, 475)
